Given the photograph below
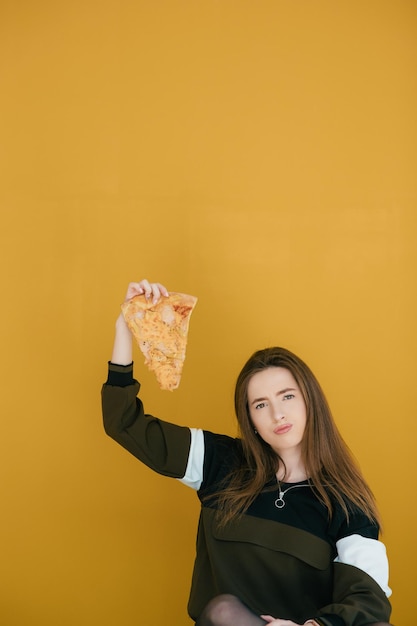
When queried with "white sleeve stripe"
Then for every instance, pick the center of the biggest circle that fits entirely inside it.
(193, 476)
(369, 555)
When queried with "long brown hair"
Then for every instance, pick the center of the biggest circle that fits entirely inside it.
(330, 466)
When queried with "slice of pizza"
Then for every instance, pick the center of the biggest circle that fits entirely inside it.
(161, 331)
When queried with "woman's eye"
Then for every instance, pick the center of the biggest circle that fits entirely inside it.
(289, 396)
(260, 405)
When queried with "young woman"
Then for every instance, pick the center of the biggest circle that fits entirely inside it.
(288, 531)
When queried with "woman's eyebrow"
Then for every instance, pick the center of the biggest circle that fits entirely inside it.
(286, 390)
(258, 400)
(279, 393)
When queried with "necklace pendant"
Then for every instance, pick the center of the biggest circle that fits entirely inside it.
(279, 502)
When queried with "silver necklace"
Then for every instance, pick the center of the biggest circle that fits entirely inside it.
(280, 502)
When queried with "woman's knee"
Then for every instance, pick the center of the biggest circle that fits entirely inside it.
(221, 610)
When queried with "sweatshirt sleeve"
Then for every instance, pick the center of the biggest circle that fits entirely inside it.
(360, 576)
(357, 599)
(162, 446)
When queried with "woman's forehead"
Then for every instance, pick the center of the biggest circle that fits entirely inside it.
(271, 378)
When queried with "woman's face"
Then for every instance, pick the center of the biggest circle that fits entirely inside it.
(277, 408)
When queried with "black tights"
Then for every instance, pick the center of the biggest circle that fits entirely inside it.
(227, 610)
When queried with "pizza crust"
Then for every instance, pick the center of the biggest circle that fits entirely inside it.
(161, 332)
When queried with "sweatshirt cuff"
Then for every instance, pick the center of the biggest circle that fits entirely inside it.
(120, 375)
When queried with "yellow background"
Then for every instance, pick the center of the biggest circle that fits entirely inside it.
(258, 154)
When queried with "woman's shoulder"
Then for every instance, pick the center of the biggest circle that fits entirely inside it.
(222, 454)
(354, 521)
(219, 440)
(222, 449)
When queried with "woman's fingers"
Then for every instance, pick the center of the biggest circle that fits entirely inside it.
(133, 289)
(164, 291)
(146, 288)
(151, 291)
(157, 290)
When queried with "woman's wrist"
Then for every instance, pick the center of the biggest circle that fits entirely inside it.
(121, 322)
(122, 349)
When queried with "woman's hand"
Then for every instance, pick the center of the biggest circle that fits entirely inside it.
(152, 291)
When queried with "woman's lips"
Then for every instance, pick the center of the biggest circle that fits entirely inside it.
(281, 430)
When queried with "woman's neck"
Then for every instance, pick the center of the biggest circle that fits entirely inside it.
(292, 469)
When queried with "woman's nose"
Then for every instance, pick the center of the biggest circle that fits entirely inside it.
(278, 414)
